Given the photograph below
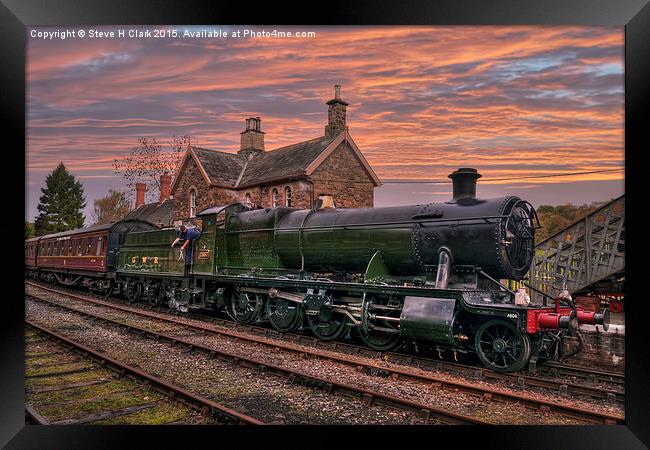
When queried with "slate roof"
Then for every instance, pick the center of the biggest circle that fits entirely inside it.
(234, 170)
(226, 169)
(155, 213)
(222, 168)
(283, 162)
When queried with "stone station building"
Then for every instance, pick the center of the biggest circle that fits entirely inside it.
(293, 176)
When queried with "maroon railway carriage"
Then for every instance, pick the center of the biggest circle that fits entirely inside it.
(31, 247)
(85, 256)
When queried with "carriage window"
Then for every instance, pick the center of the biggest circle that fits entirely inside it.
(275, 198)
(100, 239)
(56, 249)
(287, 196)
(70, 248)
(192, 203)
(91, 244)
(79, 247)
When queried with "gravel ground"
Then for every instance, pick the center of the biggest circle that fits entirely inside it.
(325, 368)
(423, 392)
(269, 398)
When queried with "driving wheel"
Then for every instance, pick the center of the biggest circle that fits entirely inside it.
(501, 346)
(246, 306)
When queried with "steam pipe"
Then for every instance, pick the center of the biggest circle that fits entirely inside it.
(444, 266)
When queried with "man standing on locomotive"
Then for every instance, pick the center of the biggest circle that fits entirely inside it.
(189, 235)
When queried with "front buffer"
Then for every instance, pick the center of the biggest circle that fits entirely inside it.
(504, 336)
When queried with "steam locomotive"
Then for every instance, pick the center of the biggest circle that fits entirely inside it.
(422, 274)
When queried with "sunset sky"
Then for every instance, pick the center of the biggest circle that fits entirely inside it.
(510, 101)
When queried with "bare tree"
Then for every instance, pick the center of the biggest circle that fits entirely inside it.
(150, 159)
(113, 207)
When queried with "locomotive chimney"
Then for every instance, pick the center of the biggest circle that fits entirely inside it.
(140, 189)
(464, 180)
(165, 186)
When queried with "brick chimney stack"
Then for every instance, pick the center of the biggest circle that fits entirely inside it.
(165, 186)
(336, 114)
(140, 189)
(252, 138)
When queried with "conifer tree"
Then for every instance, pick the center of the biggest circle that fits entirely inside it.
(61, 205)
(29, 230)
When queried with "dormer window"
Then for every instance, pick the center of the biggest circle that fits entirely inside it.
(192, 203)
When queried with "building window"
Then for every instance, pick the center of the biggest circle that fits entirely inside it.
(275, 198)
(192, 203)
(248, 199)
(287, 196)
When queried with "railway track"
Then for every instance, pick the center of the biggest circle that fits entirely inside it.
(114, 390)
(555, 378)
(589, 374)
(362, 364)
(426, 413)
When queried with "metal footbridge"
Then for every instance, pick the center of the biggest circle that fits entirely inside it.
(588, 253)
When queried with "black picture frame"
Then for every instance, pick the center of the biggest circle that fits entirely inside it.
(16, 15)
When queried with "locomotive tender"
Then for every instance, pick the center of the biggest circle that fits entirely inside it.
(421, 274)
